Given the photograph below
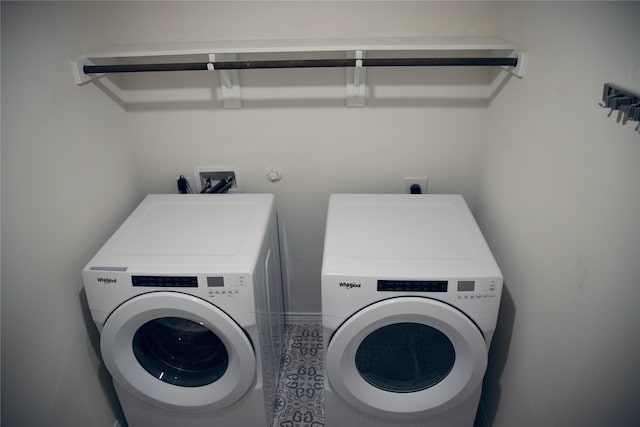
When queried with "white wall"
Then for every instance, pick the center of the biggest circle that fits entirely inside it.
(560, 206)
(418, 122)
(68, 179)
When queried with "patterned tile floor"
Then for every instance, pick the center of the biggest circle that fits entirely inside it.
(301, 389)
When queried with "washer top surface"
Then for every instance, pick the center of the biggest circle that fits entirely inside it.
(182, 230)
(413, 236)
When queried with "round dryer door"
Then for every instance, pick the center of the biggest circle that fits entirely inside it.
(178, 350)
(406, 356)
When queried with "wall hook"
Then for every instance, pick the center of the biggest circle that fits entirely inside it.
(625, 102)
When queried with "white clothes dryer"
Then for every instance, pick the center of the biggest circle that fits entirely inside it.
(187, 296)
(410, 298)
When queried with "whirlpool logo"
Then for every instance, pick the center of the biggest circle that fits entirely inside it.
(350, 285)
(106, 280)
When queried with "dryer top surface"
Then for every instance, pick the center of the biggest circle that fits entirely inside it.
(404, 235)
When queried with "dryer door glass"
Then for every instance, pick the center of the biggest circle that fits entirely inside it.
(180, 352)
(405, 357)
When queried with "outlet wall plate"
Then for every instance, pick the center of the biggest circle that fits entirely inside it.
(409, 181)
(216, 174)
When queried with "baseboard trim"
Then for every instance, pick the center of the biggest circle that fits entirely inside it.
(301, 318)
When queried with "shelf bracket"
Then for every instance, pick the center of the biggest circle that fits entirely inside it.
(229, 80)
(520, 68)
(77, 71)
(356, 85)
(80, 78)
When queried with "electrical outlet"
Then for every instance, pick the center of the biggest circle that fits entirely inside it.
(409, 181)
(212, 175)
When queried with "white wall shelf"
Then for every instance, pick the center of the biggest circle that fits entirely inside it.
(357, 54)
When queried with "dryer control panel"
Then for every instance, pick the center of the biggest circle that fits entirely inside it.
(412, 285)
(477, 289)
(465, 289)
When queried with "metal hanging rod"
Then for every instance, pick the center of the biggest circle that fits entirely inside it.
(302, 63)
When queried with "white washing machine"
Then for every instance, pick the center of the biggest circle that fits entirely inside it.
(410, 297)
(187, 297)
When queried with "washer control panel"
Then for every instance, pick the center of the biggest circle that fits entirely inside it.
(476, 289)
(165, 281)
(216, 286)
(226, 286)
